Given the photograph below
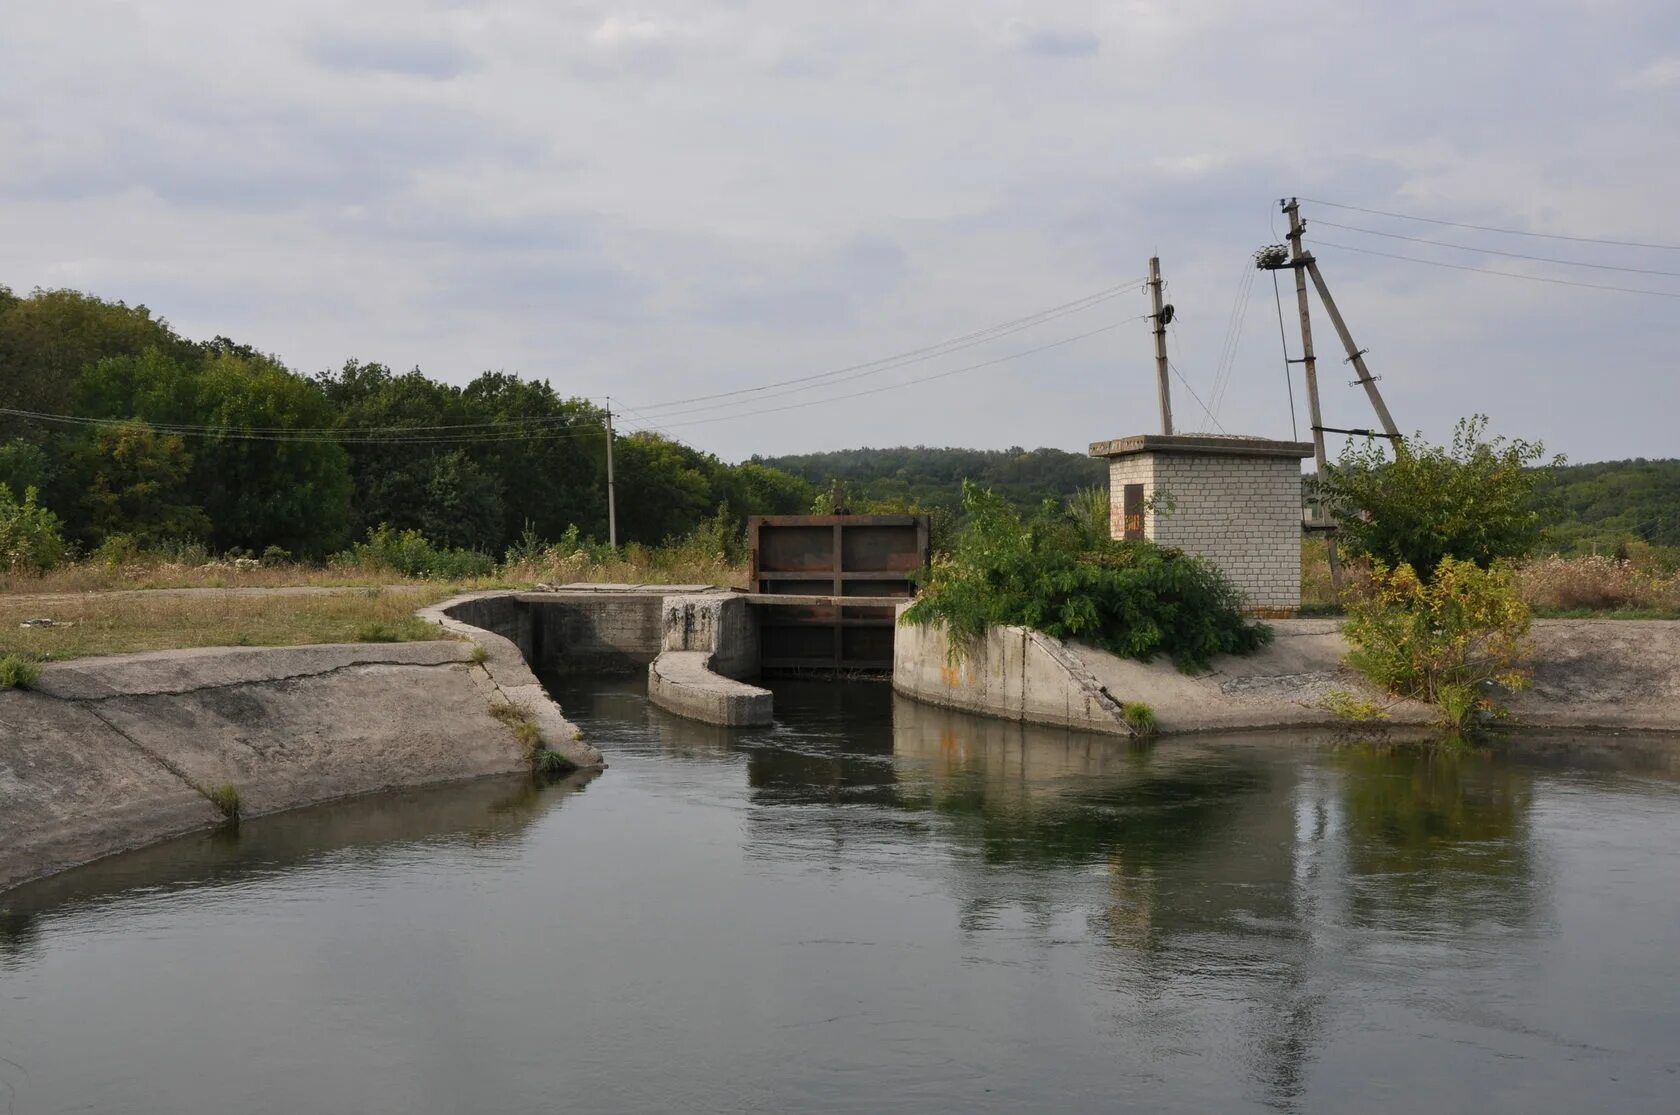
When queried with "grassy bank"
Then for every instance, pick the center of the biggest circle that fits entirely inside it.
(118, 623)
(1640, 585)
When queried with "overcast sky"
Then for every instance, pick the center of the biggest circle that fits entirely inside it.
(664, 200)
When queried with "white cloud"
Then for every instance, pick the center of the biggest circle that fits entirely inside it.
(1664, 73)
(631, 201)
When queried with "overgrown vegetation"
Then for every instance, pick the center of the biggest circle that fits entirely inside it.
(1140, 718)
(225, 798)
(546, 763)
(30, 541)
(18, 672)
(1450, 640)
(1057, 572)
(1474, 500)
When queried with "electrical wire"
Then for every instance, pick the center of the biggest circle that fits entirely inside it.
(921, 379)
(928, 352)
(349, 435)
(352, 436)
(1195, 396)
(1288, 376)
(1497, 252)
(1505, 231)
(1502, 274)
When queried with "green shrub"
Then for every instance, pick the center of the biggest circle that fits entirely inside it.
(30, 537)
(1060, 573)
(410, 553)
(18, 672)
(1474, 500)
(1140, 718)
(1446, 641)
(225, 798)
(118, 549)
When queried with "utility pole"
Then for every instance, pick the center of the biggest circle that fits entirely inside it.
(1355, 355)
(1298, 262)
(612, 503)
(1161, 316)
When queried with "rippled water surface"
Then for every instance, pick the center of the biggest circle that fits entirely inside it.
(876, 906)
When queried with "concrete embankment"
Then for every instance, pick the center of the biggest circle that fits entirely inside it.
(710, 642)
(109, 754)
(1613, 674)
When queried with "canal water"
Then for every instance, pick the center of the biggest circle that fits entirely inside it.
(875, 906)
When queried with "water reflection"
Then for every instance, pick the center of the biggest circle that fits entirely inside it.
(886, 906)
(481, 814)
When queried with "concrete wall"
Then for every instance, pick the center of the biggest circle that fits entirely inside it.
(1241, 513)
(594, 632)
(710, 642)
(1588, 674)
(112, 753)
(1011, 673)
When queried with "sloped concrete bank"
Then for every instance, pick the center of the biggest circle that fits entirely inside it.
(1589, 674)
(109, 754)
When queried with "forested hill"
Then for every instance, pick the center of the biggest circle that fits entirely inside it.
(930, 477)
(1615, 501)
(1603, 503)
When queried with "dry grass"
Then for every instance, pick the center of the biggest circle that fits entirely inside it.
(1597, 584)
(117, 623)
(1550, 585)
(638, 566)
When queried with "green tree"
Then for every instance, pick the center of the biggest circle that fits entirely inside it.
(261, 493)
(664, 488)
(48, 338)
(134, 481)
(1474, 500)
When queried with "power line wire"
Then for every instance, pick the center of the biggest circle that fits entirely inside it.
(349, 435)
(1195, 396)
(354, 436)
(1505, 231)
(1501, 274)
(927, 352)
(1498, 252)
(1288, 376)
(921, 379)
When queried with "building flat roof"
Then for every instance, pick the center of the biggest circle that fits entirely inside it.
(1201, 445)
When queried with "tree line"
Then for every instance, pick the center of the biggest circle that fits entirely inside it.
(218, 442)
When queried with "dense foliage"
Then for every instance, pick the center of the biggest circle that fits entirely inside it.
(928, 478)
(1474, 500)
(216, 442)
(1613, 503)
(1445, 640)
(29, 534)
(1058, 572)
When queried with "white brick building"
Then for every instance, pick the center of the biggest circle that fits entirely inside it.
(1233, 500)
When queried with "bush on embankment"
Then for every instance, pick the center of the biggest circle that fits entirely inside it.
(1450, 641)
(1058, 572)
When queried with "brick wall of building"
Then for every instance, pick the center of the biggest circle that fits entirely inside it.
(1241, 513)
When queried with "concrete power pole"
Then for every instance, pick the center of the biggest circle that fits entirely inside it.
(1298, 262)
(1161, 316)
(612, 502)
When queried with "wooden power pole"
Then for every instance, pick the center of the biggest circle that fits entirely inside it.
(612, 501)
(1160, 317)
(1298, 262)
